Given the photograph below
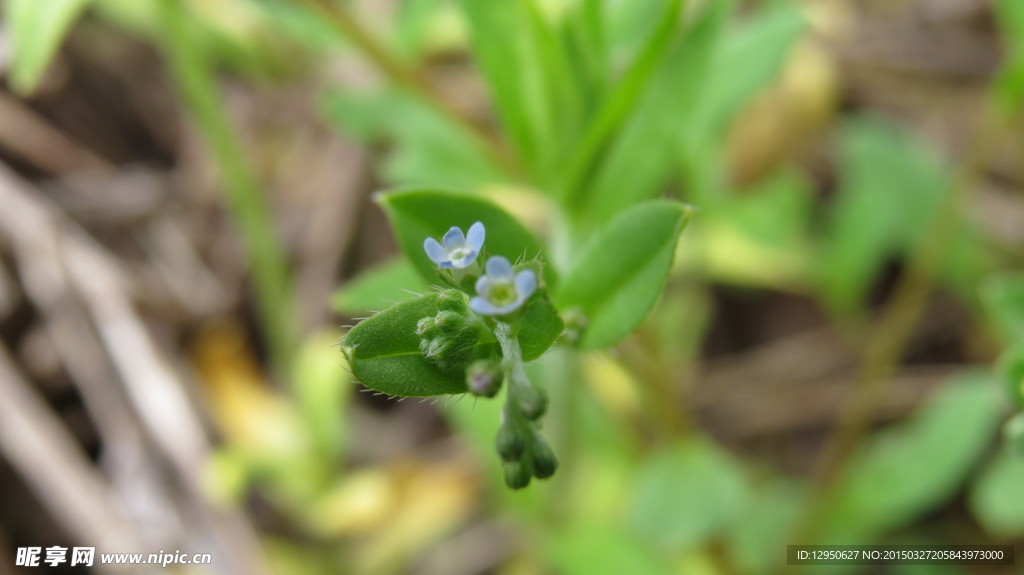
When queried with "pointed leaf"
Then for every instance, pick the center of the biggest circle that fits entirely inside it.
(684, 495)
(640, 159)
(905, 472)
(619, 276)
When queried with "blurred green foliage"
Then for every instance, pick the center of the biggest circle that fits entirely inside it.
(602, 106)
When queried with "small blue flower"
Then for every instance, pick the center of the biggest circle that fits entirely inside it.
(458, 251)
(502, 291)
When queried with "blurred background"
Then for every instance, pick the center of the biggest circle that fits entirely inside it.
(187, 221)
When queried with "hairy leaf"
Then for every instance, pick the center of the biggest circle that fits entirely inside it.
(384, 353)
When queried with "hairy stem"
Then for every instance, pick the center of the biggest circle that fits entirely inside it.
(512, 363)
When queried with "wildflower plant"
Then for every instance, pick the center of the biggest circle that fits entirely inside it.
(498, 303)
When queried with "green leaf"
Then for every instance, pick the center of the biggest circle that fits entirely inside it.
(417, 214)
(640, 159)
(995, 498)
(761, 236)
(1003, 296)
(904, 473)
(383, 352)
(1013, 434)
(619, 276)
(379, 288)
(1011, 369)
(890, 189)
(618, 105)
(595, 549)
(322, 393)
(754, 52)
(507, 60)
(687, 494)
(36, 29)
(429, 148)
(1009, 83)
(412, 26)
(539, 328)
(768, 520)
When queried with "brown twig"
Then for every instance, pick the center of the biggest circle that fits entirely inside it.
(36, 443)
(154, 390)
(32, 138)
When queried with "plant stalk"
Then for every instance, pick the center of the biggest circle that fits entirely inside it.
(245, 202)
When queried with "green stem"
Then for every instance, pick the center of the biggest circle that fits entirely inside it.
(245, 202)
(568, 394)
(512, 363)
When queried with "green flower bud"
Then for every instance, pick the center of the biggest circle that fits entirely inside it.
(435, 348)
(517, 474)
(451, 300)
(533, 403)
(449, 322)
(484, 377)
(424, 326)
(448, 338)
(544, 461)
(510, 443)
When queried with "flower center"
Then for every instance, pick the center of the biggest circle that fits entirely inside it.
(502, 293)
(460, 253)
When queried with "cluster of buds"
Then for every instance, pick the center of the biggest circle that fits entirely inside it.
(525, 454)
(449, 337)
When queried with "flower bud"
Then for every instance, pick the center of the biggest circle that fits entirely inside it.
(435, 348)
(449, 338)
(544, 461)
(449, 322)
(510, 443)
(533, 403)
(517, 474)
(484, 378)
(424, 326)
(451, 300)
